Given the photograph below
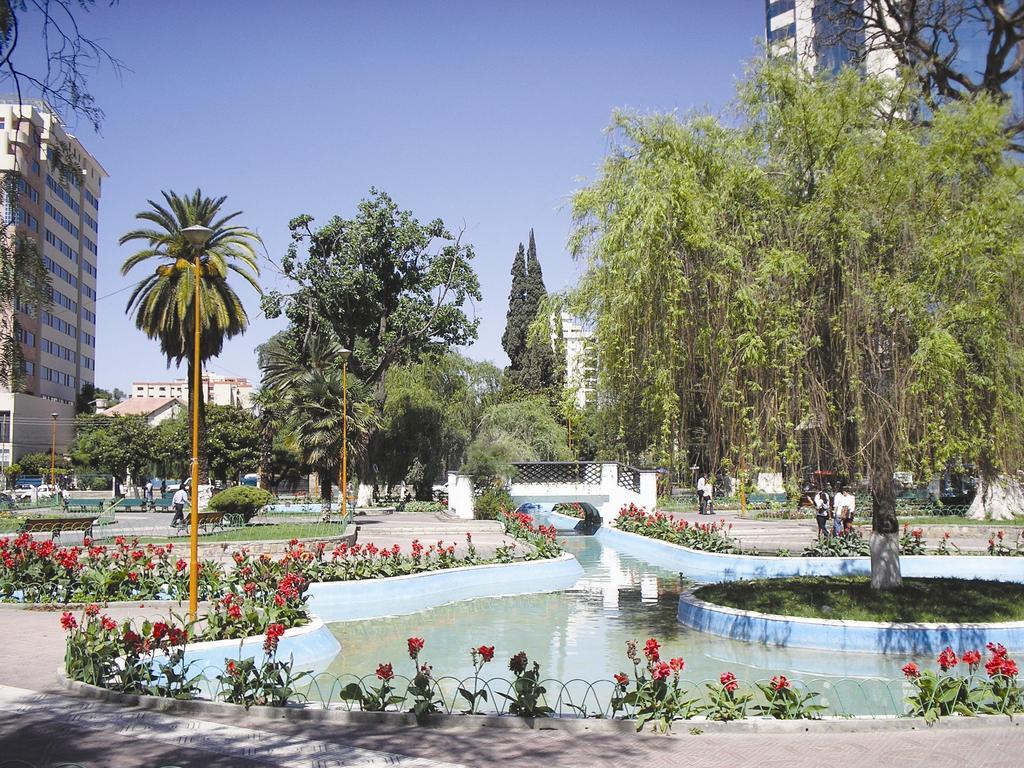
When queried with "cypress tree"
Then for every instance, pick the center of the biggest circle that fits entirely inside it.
(538, 370)
(517, 319)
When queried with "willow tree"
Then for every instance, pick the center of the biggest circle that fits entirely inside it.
(825, 263)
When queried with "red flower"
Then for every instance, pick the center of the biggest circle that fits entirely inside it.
(972, 659)
(677, 664)
(176, 636)
(159, 631)
(385, 672)
(108, 623)
(92, 610)
(486, 652)
(415, 646)
(1010, 668)
(661, 670)
(67, 621)
(234, 612)
(997, 650)
(947, 659)
(911, 671)
(231, 668)
(181, 565)
(622, 679)
(728, 681)
(274, 633)
(779, 683)
(517, 663)
(651, 648)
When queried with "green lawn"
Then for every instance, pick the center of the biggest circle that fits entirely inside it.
(920, 600)
(283, 531)
(952, 520)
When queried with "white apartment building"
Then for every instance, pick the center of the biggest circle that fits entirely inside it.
(580, 359)
(60, 212)
(806, 29)
(220, 390)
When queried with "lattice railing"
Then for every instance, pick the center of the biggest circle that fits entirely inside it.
(549, 472)
(628, 478)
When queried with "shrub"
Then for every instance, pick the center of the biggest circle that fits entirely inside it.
(488, 504)
(240, 500)
(424, 507)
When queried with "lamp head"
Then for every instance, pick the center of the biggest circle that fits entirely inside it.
(345, 354)
(197, 235)
(54, 415)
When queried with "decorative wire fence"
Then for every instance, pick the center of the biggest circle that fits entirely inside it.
(577, 698)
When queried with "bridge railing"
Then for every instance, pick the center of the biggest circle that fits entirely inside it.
(552, 472)
(628, 477)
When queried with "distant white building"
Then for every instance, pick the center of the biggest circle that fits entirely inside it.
(580, 359)
(154, 409)
(220, 390)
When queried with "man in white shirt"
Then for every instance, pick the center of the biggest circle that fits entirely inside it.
(700, 493)
(178, 501)
(844, 505)
(709, 497)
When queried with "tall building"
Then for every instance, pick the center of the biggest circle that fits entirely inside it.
(60, 212)
(807, 30)
(580, 359)
(220, 390)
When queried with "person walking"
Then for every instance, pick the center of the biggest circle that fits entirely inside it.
(179, 501)
(163, 488)
(709, 497)
(821, 513)
(701, 482)
(842, 504)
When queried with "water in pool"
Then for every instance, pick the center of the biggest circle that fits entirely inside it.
(581, 634)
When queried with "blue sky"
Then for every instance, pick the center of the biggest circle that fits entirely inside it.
(483, 113)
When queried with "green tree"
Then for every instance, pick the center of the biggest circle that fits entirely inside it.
(517, 318)
(115, 445)
(308, 381)
(382, 285)
(172, 449)
(519, 430)
(233, 437)
(163, 302)
(532, 367)
(828, 264)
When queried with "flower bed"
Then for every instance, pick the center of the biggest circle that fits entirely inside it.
(707, 537)
(653, 694)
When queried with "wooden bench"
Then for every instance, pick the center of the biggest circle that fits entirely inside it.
(208, 522)
(84, 506)
(58, 525)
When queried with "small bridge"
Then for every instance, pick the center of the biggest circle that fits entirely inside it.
(607, 485)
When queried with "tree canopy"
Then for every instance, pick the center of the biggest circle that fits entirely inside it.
(828, 268)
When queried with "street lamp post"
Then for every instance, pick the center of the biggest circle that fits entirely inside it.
(197, 236)
(53, 452)
(345, 354)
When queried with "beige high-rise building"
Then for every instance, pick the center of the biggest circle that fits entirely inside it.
(220, 390)
(61, 212)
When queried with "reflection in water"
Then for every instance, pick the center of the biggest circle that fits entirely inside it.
(581, 633)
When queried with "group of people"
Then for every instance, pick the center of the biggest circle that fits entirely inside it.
(705, 495)
(834, 512)
(178, 501)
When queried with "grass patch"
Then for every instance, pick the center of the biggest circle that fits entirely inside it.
(851, 598)
(953, 520)
(284, 531)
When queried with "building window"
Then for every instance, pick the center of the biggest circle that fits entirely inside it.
(777, 7)
(782, 33)
(35, 167)
(5, 423)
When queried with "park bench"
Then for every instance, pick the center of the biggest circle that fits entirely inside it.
(55, 526)
(208, 522)
(163, 504)
(84, 506)
(132, 505)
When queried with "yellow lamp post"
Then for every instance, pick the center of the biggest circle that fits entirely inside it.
(53, 452)
(197, 236)
(345, 354)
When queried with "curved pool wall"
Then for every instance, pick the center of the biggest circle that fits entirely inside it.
(719, 566)
(311, 646)
(855, 636)
(396, 595)
(562, 523)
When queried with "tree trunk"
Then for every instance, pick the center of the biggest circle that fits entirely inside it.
(325, 478)
(999, 497)
(204, 460)
(885, 542)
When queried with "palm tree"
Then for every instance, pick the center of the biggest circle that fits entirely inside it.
(162, 302)
(308, 378)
